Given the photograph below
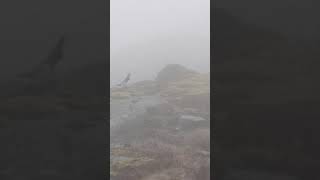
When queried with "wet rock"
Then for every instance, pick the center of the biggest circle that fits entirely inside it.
(187, 122)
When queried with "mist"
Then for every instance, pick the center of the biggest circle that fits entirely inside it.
(145, 35)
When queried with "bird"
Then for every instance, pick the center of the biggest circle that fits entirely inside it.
(56, 54)
(54, 57)
(125, 81)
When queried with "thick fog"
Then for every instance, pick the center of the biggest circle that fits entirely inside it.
(148, 34)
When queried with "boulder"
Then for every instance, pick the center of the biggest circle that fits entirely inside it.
(171, 73)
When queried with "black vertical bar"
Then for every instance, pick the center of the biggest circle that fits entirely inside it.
(54, 89)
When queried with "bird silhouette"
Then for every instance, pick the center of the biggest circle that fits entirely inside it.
(56, 54)
(54, 57)
(125, 81)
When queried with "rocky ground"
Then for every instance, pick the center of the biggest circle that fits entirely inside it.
(161, 128)
(161, 131)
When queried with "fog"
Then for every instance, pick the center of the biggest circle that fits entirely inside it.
(148, 34)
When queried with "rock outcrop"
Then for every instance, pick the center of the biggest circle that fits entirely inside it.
(172, 135)
(172, 73)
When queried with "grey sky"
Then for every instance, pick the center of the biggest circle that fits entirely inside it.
(148, 34)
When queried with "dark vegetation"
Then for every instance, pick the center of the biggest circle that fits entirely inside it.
(265, 100)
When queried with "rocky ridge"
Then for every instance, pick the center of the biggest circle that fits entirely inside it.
(168, 138)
